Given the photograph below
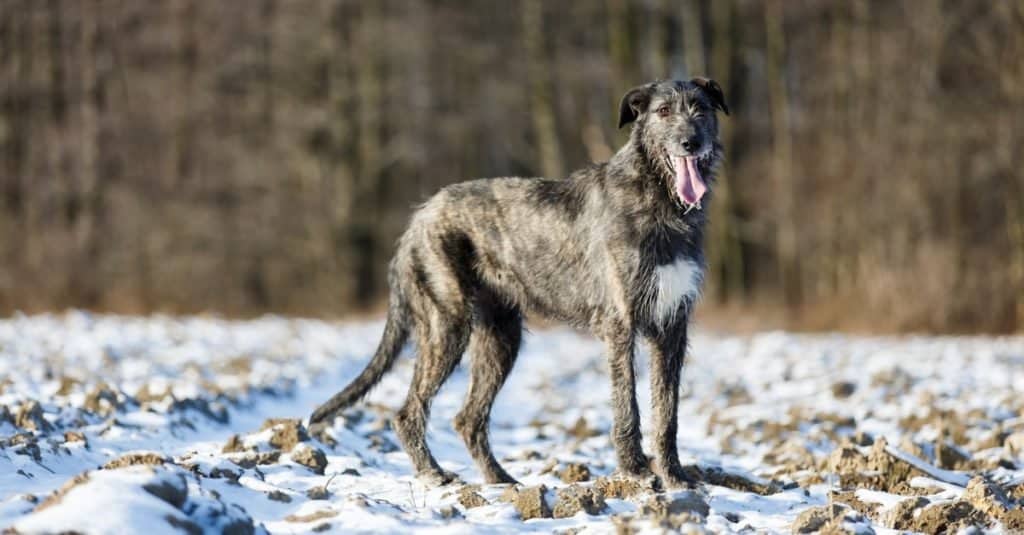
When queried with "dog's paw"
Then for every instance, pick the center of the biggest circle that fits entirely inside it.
(500, 477)
(439, 478)
(676, 477)
(636, 467)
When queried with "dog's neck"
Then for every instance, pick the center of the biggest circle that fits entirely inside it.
(645, 170)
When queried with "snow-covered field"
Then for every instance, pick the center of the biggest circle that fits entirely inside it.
(160, 424)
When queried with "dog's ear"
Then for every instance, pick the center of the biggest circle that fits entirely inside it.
(634, 102)
(714, 91)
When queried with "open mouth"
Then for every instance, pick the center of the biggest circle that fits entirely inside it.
(689, 185)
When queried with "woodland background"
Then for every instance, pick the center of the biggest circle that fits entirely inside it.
(263, 156)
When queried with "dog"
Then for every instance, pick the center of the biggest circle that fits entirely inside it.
(615, 248)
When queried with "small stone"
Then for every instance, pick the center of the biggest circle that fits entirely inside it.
(350, 472)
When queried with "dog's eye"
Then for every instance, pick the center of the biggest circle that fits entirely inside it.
(664, 110)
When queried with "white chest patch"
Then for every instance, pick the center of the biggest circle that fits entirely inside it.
(673, 283)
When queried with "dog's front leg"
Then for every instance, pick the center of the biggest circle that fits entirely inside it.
(626, 435)
(668, 349)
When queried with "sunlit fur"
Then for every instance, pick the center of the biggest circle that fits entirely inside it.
(610, 249)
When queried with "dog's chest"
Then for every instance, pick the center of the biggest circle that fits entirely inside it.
(673, 285)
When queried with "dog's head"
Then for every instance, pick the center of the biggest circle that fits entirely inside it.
(676, 130)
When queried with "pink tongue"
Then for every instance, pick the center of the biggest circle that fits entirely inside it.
(689, 184)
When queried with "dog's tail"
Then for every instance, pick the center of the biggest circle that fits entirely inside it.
(396, 333)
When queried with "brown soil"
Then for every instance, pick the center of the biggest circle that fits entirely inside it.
(576, 498)
(619, 487)
(287, 433)
(30, 417)
(528, 501)
(470, 498)
(814, 519)
(574, 473)
(311, 458)
(133, 459)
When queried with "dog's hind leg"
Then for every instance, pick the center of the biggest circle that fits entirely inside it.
(493, 346)
(441, 343)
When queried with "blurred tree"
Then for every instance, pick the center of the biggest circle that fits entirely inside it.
(179, 155)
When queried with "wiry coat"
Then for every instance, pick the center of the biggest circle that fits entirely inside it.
(611, 249)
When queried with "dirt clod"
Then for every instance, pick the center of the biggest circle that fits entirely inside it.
(287, 433)
(574, 473)
(575, 498)
(619, 487)
(75, 436)
(815, 518)
(30, 417)
(470, 498)
(529, 501)
(311, 458)
(986, 497)
(901, 516)
(948, 517)
(234, 444)
(140, 458)
(102, 400)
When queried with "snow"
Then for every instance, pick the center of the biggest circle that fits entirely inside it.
(225, 378)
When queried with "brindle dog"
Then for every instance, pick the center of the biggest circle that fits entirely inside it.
(615, 248)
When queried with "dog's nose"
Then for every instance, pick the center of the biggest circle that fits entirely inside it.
(691, 144)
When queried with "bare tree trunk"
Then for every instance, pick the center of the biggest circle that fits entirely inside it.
(693, 38)
(541, 105)
(782, 168)
(725, 251)
(88, 198)
(619, 51)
